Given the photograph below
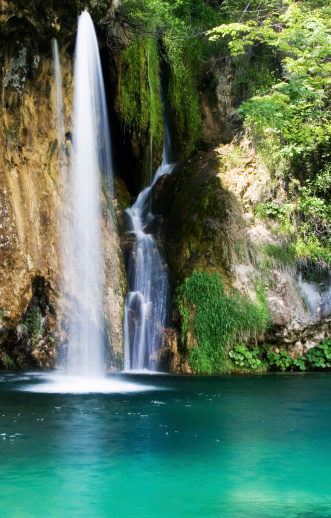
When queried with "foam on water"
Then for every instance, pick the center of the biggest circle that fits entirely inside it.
(145, 372)
(66, 384)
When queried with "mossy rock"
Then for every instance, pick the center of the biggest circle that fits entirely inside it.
(203, 226)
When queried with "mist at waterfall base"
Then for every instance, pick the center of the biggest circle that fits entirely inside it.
(147, 304)
(91, 159)
(229, 446)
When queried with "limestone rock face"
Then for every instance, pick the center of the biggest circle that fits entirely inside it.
(35, 198)
(218, 104)
(206, 222)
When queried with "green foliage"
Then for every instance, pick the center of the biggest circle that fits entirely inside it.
(299, 363)
(273, 210)
(178, 27)
(261, 358)
(217, 320)
(247, 359)
(276, 256)
(8, 362)
(319, 357)
(33, 323)
(183, 97)
(288, 116)
(309, 249)
(280, 360)
(254, 76)
(140, 97)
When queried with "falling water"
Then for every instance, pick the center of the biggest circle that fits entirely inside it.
(63, 183)
(147, 302)
(91, 161)
(58, 90)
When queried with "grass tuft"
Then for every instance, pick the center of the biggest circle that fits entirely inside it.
(217, 320)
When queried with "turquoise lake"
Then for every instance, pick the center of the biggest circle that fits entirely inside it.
(159, 446)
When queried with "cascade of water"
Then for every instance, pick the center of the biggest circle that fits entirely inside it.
(147, 301)
(58, 89)
(63, 180)
(91, 161)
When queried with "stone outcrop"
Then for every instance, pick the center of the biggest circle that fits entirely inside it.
(219, 102)
(202, 220)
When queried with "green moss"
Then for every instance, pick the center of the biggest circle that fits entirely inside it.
(8, 362)
(183, 98)
(11, 132)
(33, 323)
(179, 28)
(156, 120)
(217, 320)
(275, 256)
(140, 102)
(311, 249)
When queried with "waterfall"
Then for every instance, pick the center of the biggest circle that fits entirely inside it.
(63, 179)
(62, 163)
(147, 301)
(91, 164)
(58, 90)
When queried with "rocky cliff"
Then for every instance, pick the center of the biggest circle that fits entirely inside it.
(214, 214)
(207, 220)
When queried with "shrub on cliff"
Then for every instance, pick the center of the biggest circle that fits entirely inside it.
(216, 320)
(289, 119)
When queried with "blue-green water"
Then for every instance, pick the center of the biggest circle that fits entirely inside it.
(231, 446)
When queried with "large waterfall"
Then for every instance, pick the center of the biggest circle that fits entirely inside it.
(147, 302)
(91, 161)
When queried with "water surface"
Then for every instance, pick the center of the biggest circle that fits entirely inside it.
(163, 446)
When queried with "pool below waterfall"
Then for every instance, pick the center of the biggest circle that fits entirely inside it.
(159, 446)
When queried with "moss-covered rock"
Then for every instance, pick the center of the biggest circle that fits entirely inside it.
(203, 226)
(205, 218)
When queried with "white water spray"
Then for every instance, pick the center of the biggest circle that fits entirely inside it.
(58, 90)
(63, 183)
(147, 303)
(91, 161)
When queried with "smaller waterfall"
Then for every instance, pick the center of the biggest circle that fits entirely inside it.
(91, 162)
(147, 302)
(63, 179)
(58, 89)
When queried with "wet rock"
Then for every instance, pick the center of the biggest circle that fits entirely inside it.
(203, 226)
(154, 226)
(169, 358)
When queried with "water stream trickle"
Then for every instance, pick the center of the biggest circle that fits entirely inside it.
(58, 90)
(147, 302)
(91, 161)
(63, 179)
